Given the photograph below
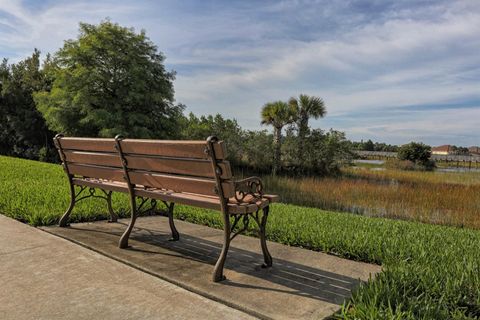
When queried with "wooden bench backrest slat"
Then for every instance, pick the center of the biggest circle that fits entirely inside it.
(190, 167)
(114, 174)
(167, 148)
(93, 158)
(181, 184)
(89, 144)
(173, 148)
(182, 166)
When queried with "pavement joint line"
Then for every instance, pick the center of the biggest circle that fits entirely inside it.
(181, 285)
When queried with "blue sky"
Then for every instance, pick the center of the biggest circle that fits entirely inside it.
(392, 71)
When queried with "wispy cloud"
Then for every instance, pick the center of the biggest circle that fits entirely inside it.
(362, 57)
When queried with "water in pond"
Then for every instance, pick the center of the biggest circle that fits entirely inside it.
(460, 169)
(448, 169)
(379, 162)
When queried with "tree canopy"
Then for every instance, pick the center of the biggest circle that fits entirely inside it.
(306, 107)
(110, 80)
(23, 132)
(277, 114)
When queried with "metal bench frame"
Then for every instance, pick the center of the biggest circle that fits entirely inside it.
(248, 190)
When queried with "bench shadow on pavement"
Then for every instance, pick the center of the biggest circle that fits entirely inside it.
(284, 277)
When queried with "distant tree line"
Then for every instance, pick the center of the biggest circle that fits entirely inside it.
(369, 145)
(461, 151)
(112, 80)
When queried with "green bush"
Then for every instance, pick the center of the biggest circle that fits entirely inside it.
(417, 153)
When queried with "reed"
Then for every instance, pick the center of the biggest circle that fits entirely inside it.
(430, 197)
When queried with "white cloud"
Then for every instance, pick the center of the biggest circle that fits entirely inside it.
(430, 126)
(47, 28)
(232, 60)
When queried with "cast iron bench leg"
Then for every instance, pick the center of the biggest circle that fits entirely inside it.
(64, 219)
(123, 243)
(218, 271)
(263, 241)
(113, 215)
(175, 234)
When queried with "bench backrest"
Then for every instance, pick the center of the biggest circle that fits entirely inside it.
(181, 166)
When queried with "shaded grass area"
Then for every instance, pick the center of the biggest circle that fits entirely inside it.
(430, 272)
(431, 197)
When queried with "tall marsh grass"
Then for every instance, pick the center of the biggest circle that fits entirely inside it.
(430, 197)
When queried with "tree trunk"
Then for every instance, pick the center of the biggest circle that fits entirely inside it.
(302, 133)
(277, 142)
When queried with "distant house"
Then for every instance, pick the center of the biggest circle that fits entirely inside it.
(443, 150)
(474, 150)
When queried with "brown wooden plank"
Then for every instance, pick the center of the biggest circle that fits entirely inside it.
(94, 158)
(96, 172)
(103, 184)
(181, 198)
(172, 148)
(180, 184)
(88, 144)
(183, 166)
(169, 148)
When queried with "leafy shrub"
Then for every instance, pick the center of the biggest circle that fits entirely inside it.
(417, 153)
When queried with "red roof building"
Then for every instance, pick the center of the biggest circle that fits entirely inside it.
(445, 149)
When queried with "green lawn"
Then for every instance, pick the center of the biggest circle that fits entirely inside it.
(430, 272)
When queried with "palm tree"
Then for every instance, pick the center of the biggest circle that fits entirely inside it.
(277, 114)
(306, 107)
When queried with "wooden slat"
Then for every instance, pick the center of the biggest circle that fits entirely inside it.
(180, 184)
(94, 158)
(103, 184)
(168, 148)
(89, 144)
(190, 167)
(182, 198)
(96, 172)
(172, 148)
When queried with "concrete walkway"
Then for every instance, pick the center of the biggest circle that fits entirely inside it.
(46, 277)
(302, 284)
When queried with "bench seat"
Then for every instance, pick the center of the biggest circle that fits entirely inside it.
(248, 205)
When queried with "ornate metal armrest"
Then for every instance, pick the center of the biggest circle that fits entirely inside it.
(252, 186)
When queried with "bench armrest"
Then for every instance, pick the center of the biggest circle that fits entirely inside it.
(251, 186)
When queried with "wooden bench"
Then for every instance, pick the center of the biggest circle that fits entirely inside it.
(193, 173)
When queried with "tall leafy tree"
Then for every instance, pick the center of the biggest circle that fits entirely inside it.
(23, 132)
(277, 114)
(306, 107)
(199, 128)
(5, 136)
(110, 80)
